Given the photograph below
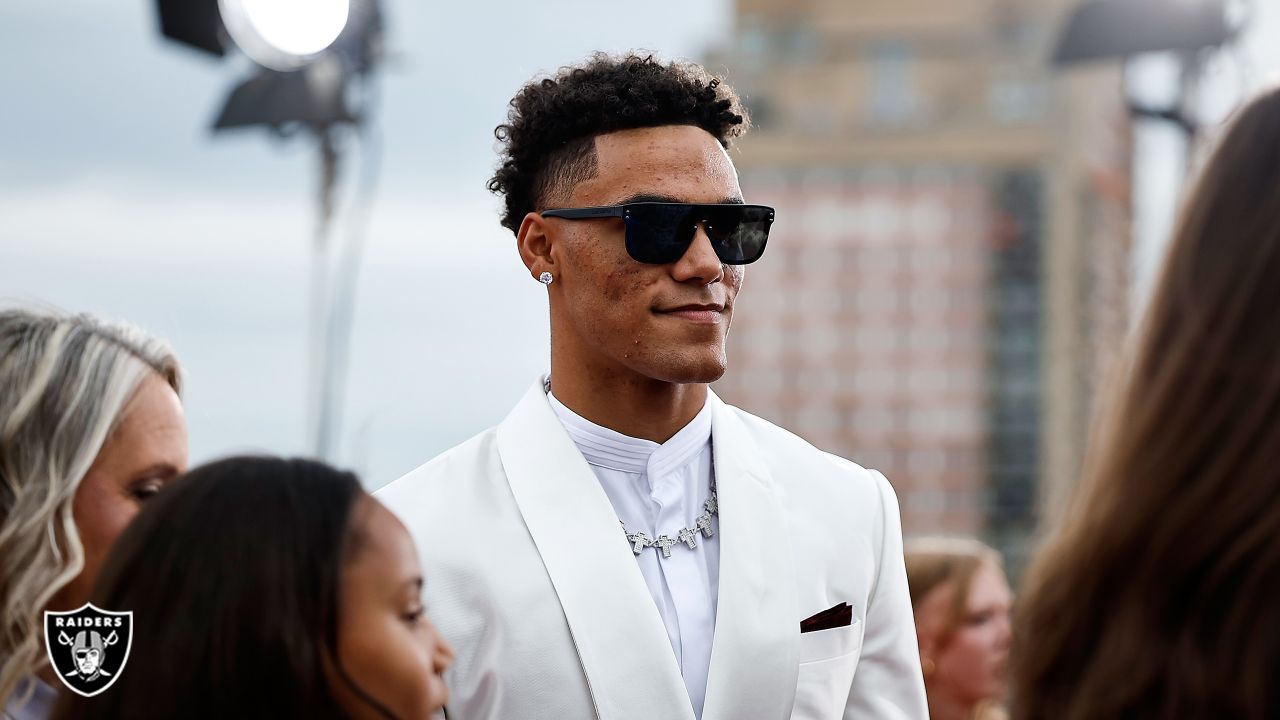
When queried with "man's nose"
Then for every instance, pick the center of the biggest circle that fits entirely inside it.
(699, 263)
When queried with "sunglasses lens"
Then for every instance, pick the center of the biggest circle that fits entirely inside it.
(739, 233)
(658, 233)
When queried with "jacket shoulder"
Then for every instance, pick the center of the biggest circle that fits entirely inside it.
(795, 458)
(463, 458)
(775, 440)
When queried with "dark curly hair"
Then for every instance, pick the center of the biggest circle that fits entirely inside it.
(548, 141)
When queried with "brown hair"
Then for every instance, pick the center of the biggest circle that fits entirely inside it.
(1158, 596)
(936, 561)
(933, 562)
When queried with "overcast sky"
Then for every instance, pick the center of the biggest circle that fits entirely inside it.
(115, 198)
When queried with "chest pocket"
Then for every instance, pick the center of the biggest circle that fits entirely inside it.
(828, 659)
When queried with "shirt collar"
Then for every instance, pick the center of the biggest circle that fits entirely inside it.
(611, 449)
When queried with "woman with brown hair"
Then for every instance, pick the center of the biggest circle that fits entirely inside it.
(961, 602)
(1160, 595)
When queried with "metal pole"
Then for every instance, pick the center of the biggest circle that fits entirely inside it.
(320, 391)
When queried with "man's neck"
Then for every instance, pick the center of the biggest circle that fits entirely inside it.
(625, 402)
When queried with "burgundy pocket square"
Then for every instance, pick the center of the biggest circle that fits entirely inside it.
(839, 616)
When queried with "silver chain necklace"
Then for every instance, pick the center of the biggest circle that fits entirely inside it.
(689, 536)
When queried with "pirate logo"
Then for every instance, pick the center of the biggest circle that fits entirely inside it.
(88, 647)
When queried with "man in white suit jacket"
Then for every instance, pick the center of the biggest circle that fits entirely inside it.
(624, 545)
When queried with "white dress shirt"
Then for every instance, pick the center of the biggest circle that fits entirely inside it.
(660, 489)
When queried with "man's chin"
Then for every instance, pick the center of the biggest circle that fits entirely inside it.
(688, 370)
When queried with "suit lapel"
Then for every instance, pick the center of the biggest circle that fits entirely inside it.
(755, 651)
(619, 634)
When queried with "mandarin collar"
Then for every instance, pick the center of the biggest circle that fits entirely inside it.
(607, 448)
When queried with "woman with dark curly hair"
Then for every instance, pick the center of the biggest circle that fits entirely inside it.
(625, 545)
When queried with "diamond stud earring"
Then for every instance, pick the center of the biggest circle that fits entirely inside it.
(545, 278)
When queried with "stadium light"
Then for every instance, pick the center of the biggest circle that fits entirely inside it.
(284, 34)
(1121, 29)
(331, 44)
(1103, 29)
(315, 63)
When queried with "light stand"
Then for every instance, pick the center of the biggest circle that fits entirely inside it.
(311, 93)
(1121, 29)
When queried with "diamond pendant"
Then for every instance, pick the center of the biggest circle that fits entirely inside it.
(664, 543)
(704, 525)
(689, 536)
(639, 541)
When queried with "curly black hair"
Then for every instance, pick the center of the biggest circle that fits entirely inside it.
(548, 141)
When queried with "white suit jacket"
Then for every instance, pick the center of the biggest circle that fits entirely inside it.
(529, 576)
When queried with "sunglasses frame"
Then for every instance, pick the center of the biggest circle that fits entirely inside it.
(625, 211)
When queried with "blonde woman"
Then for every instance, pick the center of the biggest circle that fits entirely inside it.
(961, 601)
(90, 427)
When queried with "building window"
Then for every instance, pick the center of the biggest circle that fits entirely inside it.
(893, 90)
(1015, 100)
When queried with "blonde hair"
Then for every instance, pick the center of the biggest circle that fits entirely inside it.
(64, 384)
(936, 561)
(933, 562)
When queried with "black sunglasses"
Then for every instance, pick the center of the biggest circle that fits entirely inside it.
(659, 233)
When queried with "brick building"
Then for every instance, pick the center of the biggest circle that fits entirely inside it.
(948, 273)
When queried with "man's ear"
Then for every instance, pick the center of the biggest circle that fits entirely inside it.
(535, 245)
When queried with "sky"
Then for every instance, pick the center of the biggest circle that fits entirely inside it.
(1160, 152)
(116, 198)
